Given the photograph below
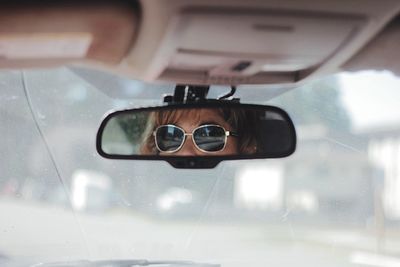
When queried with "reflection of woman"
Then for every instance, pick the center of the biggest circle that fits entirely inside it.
(203, 131)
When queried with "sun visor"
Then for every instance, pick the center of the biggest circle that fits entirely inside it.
(244, 47)
(382, 53)
(43, 34)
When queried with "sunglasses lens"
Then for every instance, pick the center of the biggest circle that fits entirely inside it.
(210, 138)
(169, 138)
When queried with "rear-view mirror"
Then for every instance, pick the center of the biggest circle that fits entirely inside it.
(197, 135)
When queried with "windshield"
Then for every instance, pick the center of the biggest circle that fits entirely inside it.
(335, 202)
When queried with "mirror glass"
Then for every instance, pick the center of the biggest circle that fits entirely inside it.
(224, 130)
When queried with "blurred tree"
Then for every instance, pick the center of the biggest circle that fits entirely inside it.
(134, 125)
(318, 102)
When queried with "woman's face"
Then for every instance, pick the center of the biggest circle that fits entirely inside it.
(195, 118)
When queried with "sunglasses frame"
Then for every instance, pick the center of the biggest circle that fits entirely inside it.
(227, 133)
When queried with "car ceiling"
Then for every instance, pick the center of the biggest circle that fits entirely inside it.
(203, 41)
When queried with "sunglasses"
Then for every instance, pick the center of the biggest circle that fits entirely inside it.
(207, 138)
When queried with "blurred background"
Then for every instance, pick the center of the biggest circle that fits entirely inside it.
(335, 202)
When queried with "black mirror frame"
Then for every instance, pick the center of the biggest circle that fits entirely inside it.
(195, 162)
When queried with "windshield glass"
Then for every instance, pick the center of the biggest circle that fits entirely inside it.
(335, 202)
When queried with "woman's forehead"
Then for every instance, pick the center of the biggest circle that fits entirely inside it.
(195, 117)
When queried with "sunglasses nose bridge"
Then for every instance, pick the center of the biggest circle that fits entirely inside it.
(188, 146)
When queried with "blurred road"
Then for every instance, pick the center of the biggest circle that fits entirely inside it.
(49, 233)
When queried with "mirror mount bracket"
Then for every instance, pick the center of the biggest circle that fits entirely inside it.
(185, 94)
(229, 96)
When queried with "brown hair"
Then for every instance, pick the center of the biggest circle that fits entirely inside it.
(242, 122)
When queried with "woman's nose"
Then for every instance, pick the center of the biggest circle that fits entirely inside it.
(188, 148)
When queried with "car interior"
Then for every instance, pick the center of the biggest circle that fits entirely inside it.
(199, 133)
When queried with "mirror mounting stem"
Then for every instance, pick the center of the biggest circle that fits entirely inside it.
(187, 94)
(228, 95)
(196, 94)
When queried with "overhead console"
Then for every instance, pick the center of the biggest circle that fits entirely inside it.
(240, 46)
(262, 42)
